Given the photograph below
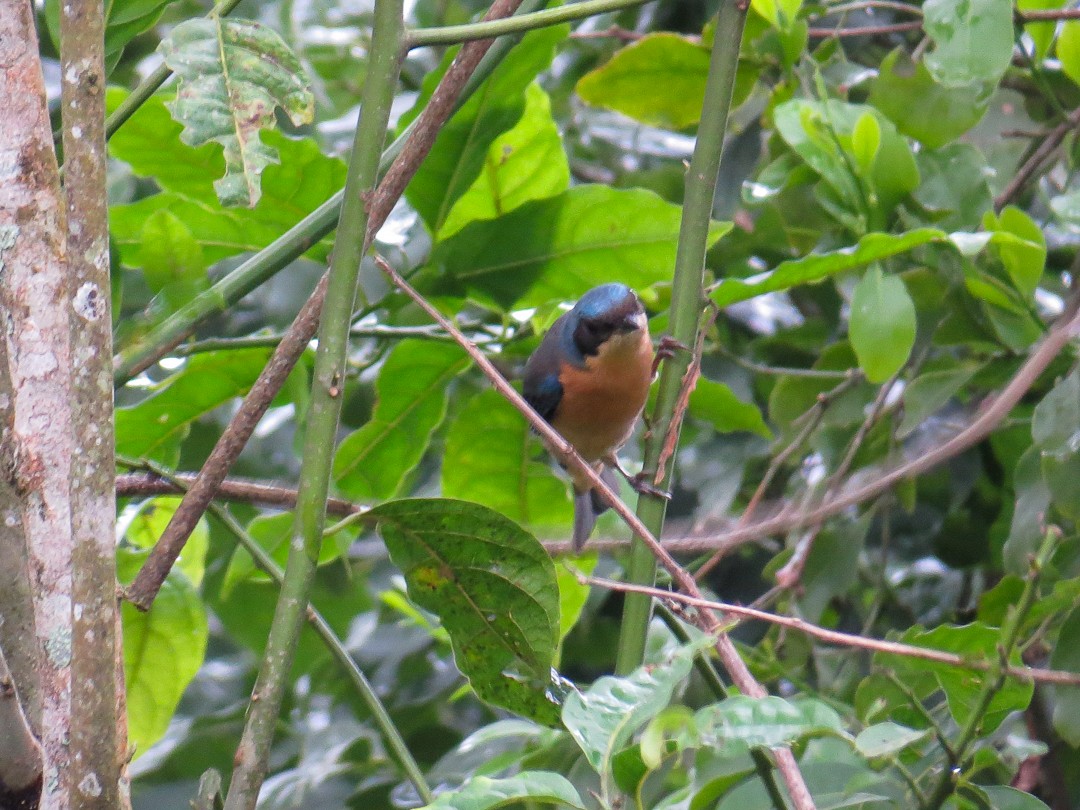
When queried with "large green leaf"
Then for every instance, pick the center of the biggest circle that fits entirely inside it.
(1056, 431)
(883, 324)
(769, 721)
(482, 793)
(490, 458)
(233, 74)
(154, 427)
(163, 649)
(602, 718)
(462, 145)
(494, 588)
(717, 404)
(1066, 656)
(173, 262)
(922, 108)
(372, 462)
(1020, 244)
(659, 80)
(301, 183)
(887, 739)
(526, 163)
(556, 249)
(973, 40)
(820, 266)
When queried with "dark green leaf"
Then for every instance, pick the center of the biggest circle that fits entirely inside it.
(1066, 656)
(929, 392)
(1032, 501)
(372, 462)
(492, 585)
(883, 324)
(556, 249)
(769, 721)
(887, 739)
(717, 404)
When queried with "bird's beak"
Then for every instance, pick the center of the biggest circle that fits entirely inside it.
(633, 323)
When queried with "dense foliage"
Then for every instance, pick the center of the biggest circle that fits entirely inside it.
(894, 223)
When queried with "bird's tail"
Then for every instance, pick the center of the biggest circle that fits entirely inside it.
(588, 505)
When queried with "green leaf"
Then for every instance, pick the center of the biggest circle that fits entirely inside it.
(1068, 49)
(658, 80)
(463, 145)
(526, 163)
(492, 585)
(146, 525)
(1055, 428)
(866, 140)
(954, 185)
(717, 404)
(556, 249)
(767, 722)
(1003, 797)
(928, 393)
(1021, 246)
(602, 718)
(886, 739)
(1066, 656)
(780, 13)
(304, 181)
(371, 463)
(173, 261)
(482, 793)
(820, 266)
(163, 649)
(490, 458)
(125, 20)
(154, 427)
(973, 41)
(882, 325)
(572, 592)
(962, 687)
(922, 108)
(1042, 32)
(1029, 512)
(233, 74)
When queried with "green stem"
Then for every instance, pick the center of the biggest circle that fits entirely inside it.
(384, 62)
(686, 308)
(519, 23)
(995, 676)
(265, 264)
(148, 86)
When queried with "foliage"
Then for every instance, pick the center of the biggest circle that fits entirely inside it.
(879, 279)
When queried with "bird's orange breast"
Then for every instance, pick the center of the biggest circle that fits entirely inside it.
(601, 402)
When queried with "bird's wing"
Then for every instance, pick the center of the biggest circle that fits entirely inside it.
(544, 392)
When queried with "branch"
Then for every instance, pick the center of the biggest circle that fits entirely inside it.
(1052, 140)
(1025, 674)
(98, 732)
(421, 137)
(36, 447)
(520, 23)
(20, 754)
(342, 282)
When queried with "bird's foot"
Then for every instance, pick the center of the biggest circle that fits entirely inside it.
(640, 484)
(665, 350)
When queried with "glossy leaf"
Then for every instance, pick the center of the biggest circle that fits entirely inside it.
(372, 462)
(463, 145)
(482, 793)
(526, 163)
(556, 249)
(659, 80)
(491, 458)
(818, 267)
(973, 41)
(769, 722)
(494, 588)
(233, 74)
(883, 324)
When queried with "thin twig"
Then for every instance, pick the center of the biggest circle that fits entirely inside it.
(1025, 674)
(866, 30)
(1052, 140)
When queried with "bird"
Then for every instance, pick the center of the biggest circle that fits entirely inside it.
(589, 379)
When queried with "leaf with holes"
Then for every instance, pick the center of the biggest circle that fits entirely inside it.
(233, 74)
(493, 586)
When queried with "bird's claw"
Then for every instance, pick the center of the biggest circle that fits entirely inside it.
(666, 349)
(641, 486)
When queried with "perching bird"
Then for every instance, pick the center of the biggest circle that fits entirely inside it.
(589, 378)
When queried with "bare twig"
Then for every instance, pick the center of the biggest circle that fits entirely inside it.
(1052, 140)
(303, 328)
(866, 30)
(1025, 674)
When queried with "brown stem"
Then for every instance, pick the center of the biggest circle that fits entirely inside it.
(1052, 141)
(303, 329)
